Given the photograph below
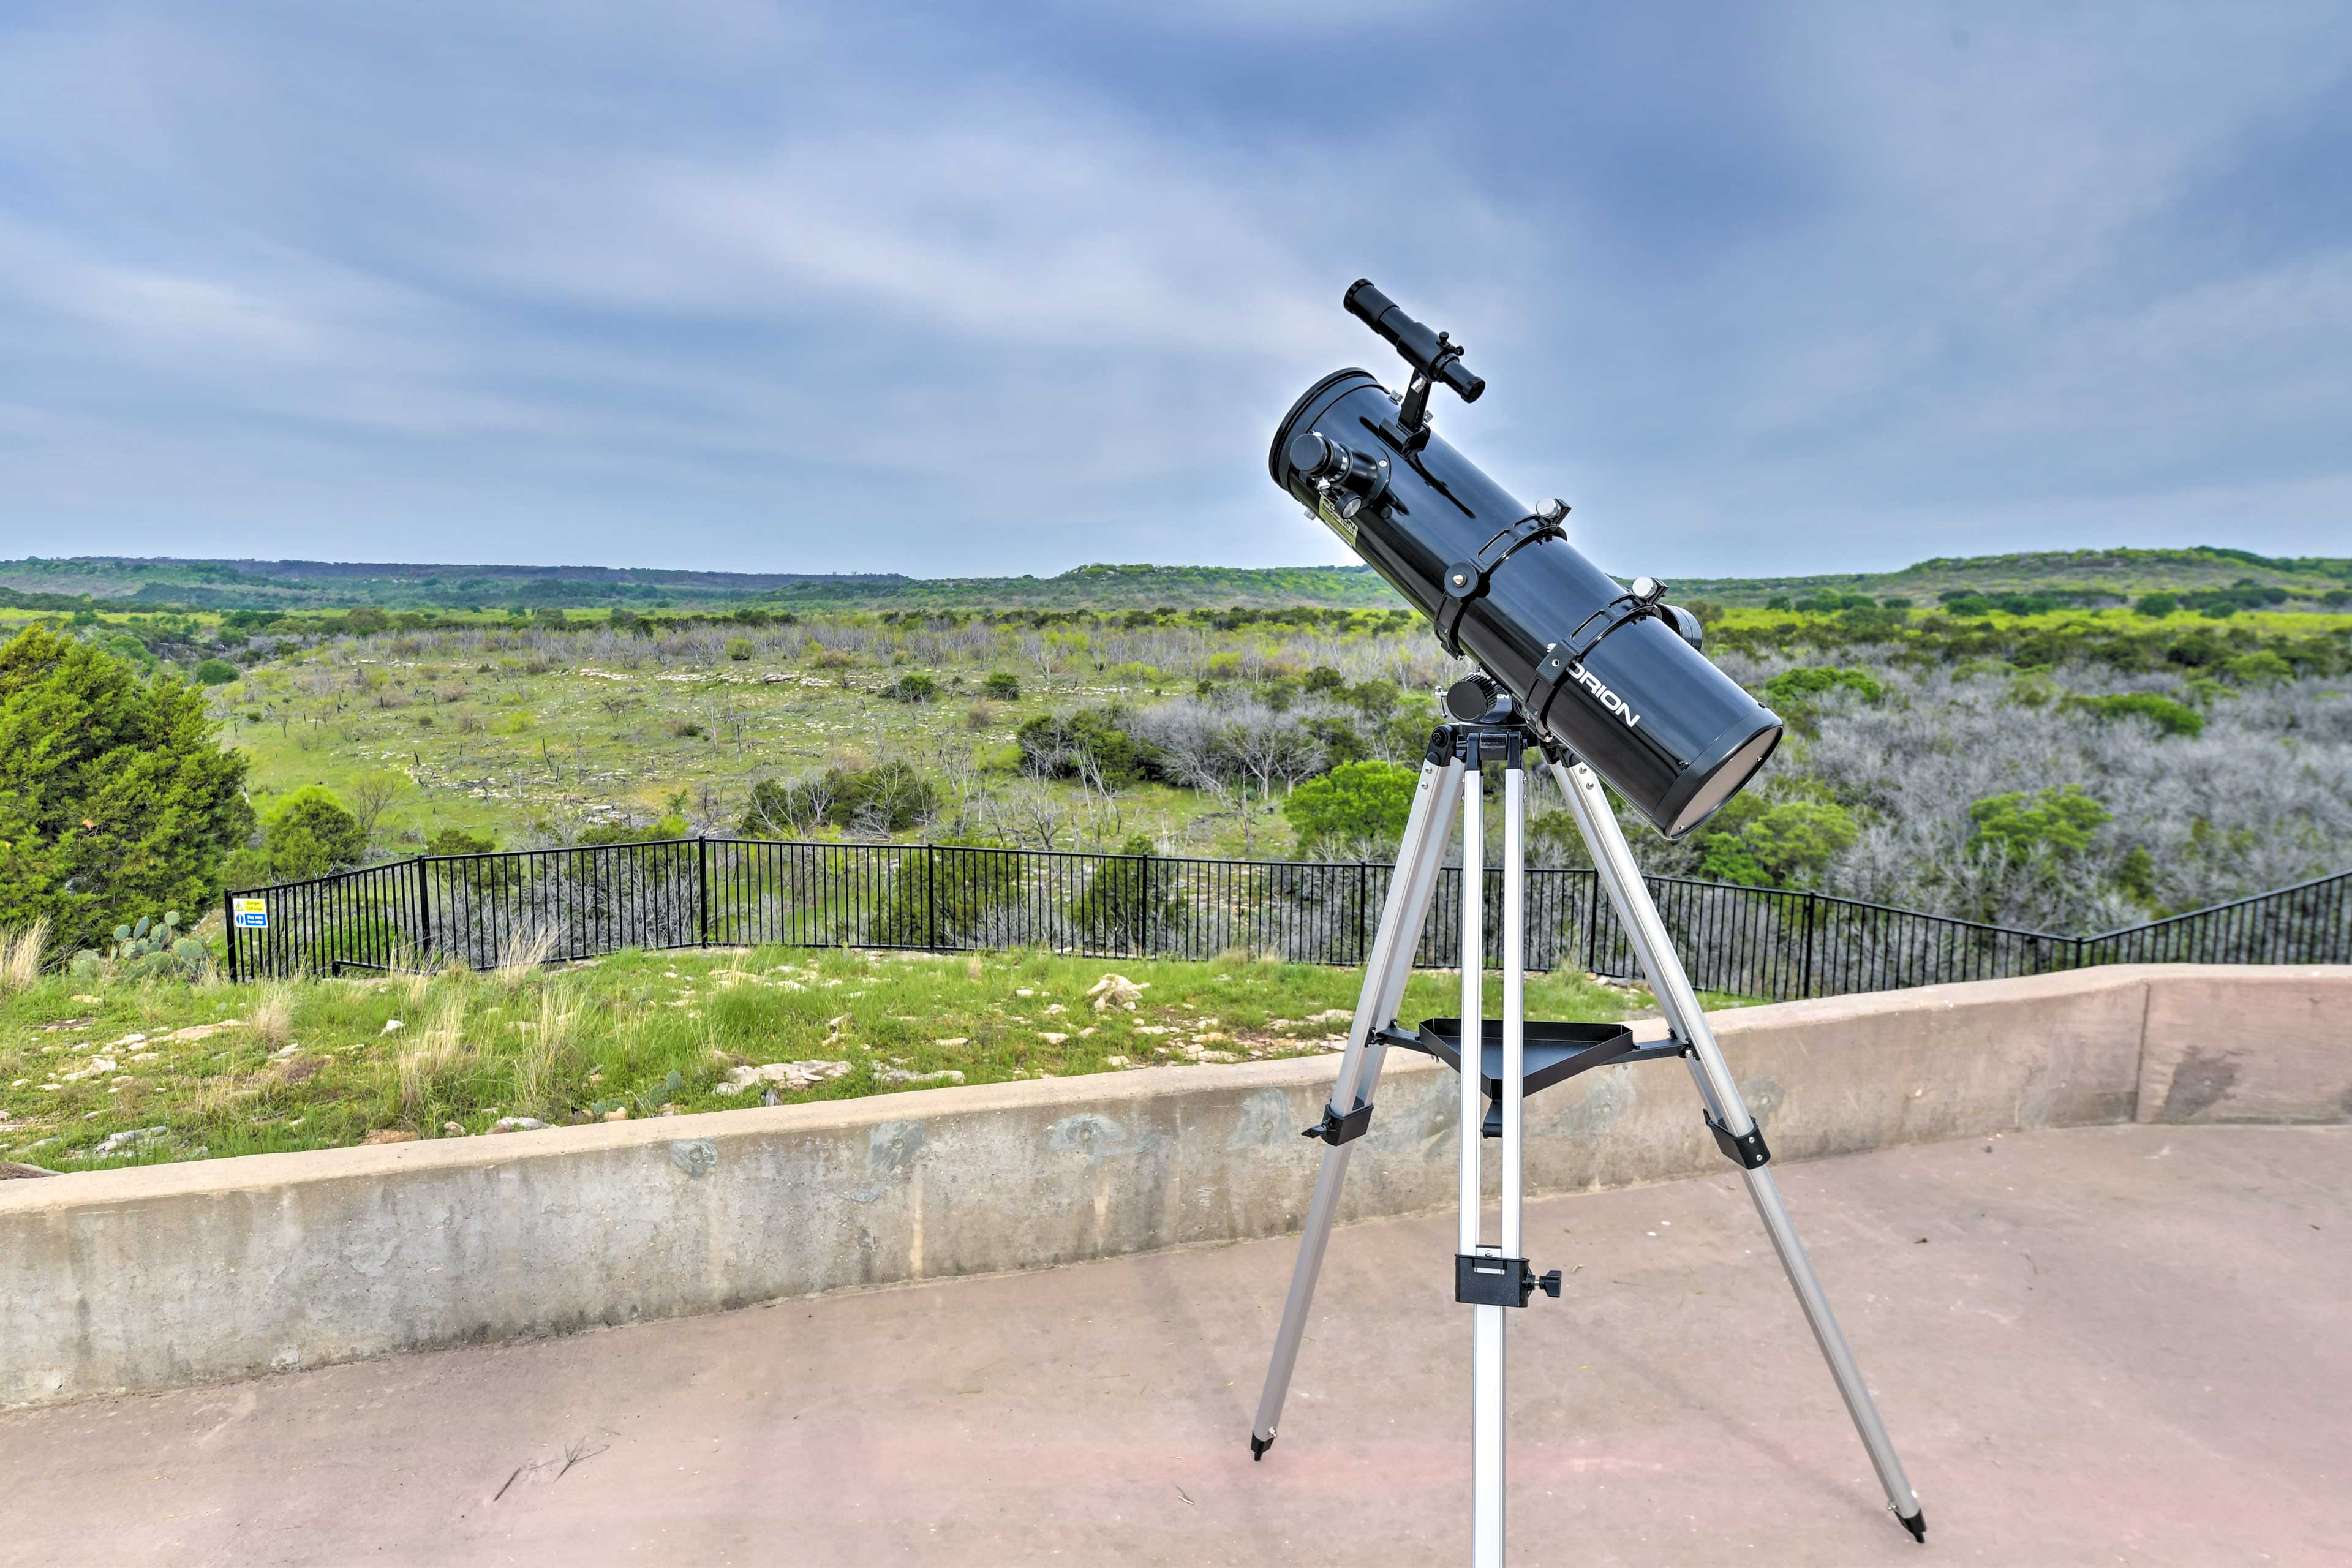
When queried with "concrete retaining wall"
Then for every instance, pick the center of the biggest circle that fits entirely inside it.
(157, 1276)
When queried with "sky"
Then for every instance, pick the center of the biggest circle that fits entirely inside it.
(1006, 288)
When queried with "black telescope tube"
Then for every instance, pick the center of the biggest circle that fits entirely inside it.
(1410, 338)
(1611, 680)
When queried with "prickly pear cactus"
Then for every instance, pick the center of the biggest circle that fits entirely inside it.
(150, 949)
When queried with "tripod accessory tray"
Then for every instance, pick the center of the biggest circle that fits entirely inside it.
(1554, 1053)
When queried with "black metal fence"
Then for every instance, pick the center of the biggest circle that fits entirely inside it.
(483, 910)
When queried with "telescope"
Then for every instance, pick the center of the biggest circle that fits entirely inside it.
(1614, 674)
(1607, 681)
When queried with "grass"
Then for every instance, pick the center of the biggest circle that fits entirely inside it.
(245, 1069)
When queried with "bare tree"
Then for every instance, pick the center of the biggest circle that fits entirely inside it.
(371, 796)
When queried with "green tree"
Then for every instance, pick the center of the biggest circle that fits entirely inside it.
(2155, 604)
(1774, 845)
(2261, 667)
(216, 672)
(2058, 820)
(115, 798)
(311, 834)
(1351, 809)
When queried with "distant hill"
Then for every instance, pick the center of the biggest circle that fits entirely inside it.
(117, 582)
(2112, 574)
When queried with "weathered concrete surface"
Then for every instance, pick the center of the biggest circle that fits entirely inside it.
(2103, 1345)
(2229, 1045)
(170, 1275)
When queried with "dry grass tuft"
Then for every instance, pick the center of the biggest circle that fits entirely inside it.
(20, 955)
(440, 1047)
(550, 1053)
(530, 951)
(272, 1019)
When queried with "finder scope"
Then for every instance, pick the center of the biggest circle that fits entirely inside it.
(1611, 674)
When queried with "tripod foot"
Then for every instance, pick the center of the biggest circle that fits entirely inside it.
(1258, 1446)
(1917, 1525)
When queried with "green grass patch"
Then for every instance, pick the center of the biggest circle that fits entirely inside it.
(90, 1070)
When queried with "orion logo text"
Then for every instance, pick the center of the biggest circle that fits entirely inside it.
(1602, 695)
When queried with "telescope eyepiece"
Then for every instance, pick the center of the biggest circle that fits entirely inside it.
(1328, 466)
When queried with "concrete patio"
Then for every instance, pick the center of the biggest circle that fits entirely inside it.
(2096, 1345)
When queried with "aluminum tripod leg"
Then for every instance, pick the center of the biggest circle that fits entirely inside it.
(1612, 858)
(1489, 1363)
(1390, 965)
(1487, 1322)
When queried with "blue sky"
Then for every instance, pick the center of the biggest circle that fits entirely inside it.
(1007, 288)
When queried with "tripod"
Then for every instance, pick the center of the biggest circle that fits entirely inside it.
(1516, 1058)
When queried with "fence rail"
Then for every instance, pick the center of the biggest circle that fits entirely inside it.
(480, 909)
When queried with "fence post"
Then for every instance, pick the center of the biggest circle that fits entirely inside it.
(1142, 905)
(229, 931)
(1592, 923)
(424, 914)
(1805, 986)
(1363, 905)
(702, 890)
(931, 896)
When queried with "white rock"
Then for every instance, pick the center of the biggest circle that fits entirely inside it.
(130, 1138)
(791, 1075)
(1117, 991)
(520, 1124)
(393, 1025)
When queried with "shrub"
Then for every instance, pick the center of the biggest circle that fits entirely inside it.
(1796, 688)
(2259, 668)
(888, 797)
(115, 796)
(739, 648)
(1322, 679)
(1002, 686)
(671, 826)
(2170, 718)
(1120, 902)
(912, 687)
(458, 841)
(311, 834)
(216, 672)
(1054, 746)
(1354, 808)
(2059, 821)
(2155, 604)
(947, 894)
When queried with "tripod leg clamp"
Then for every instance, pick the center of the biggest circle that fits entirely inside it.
(1488, 1280)
(1747, 1152)
(1336, 1128)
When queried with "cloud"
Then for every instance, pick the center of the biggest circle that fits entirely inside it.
(950, 291)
